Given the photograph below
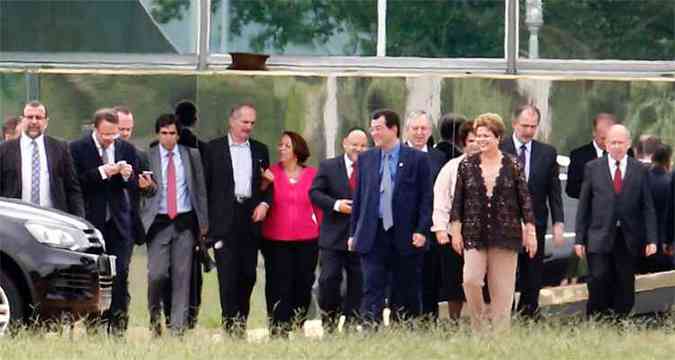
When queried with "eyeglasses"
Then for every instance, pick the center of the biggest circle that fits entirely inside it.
(168, 133)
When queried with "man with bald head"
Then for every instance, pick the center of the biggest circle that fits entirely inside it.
(615, 225)
(594, 150)
(332, 191)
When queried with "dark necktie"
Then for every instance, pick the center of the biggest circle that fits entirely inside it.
(171, 206)
(522, 160)
(618, 182)
(352, 178)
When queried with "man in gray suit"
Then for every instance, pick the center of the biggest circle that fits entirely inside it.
(174, 217)
(616, 224)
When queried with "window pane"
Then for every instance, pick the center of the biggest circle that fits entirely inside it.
(446, 29)
(599, 29)
(297, 27)
(106, 26)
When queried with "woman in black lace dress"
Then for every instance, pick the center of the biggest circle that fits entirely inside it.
(491, 220)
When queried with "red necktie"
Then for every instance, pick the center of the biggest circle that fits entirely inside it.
(618, 182)
(352, 178)
(171, 207)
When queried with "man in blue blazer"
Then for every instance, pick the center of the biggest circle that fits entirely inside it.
(391, 212)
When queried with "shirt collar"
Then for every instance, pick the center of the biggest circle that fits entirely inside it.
(394, 151)
(232, 143)
(598, 150)
(622, 163)
(517, 143)
(164, 152)
(26, 140)
(348, 161)
(424, 149)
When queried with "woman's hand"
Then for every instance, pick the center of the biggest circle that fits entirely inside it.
(530, 240)
(267, 179)
(458, 244)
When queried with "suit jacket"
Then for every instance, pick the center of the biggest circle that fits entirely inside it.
(64, 185)
(220, 184)
(99, 193)
(600, 208)
(660, 182)
(194, 174)
(543, 183)
(330, 184)
(411, 202)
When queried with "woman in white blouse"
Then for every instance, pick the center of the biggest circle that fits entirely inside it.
(444, 189)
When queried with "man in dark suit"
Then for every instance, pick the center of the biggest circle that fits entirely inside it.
(581, 155)
(38, 168)
(332, 191)
(539, 162)
(391, 214)
(126, 126)
(616, 224)
(106, 166)
(174, 217)
(235, 165)
(418, 129)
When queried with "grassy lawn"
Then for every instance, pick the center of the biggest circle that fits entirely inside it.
(551, 339)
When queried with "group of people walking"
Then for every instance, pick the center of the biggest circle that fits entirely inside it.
(391, 223)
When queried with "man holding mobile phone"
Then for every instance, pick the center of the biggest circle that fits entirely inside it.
(174, 217)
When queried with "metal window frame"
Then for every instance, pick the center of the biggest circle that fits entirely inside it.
(203, 60)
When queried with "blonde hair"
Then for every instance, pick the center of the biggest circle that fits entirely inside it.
(492, 121)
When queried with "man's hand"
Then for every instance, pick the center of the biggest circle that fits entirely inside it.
(145, 182)
(650, 249)
(350, 244)
(259, 213)
(126, 170)
(345, 206)
(580, 250)
(111, 170)
(558, 234)
(458, 243)
(418, 240)
(442, 237)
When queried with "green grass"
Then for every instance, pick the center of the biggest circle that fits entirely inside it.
(548, 340)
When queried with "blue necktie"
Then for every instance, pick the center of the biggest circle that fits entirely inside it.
(35, 175)
(386, 195)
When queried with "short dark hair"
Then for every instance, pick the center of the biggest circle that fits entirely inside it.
(10, 124)
(662, 155)
(465, 130)
(647, 145)
(300, 147)
(165, 120)
(186, 113)
(122, 109)
(522, 108)
(451, 125)
(391, 119)
(234, 112)
(36, 104)
(105, 114)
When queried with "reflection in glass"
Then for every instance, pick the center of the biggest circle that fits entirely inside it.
(104, 26)
(446, 29)
(298, 27)
(601, 29)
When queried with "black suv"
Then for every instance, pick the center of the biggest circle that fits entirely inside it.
(52, 264)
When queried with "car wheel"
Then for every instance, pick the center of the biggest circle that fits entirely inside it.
(11, 303)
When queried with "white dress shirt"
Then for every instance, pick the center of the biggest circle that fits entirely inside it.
(528, 154)
(598, 150)
(27, 170)
(242, 167)
(183, 203)
(348, 166)
(110, 152)
(622, 166)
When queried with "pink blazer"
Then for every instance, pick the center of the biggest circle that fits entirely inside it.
(292, 217)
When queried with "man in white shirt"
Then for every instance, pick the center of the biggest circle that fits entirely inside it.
(45, 175)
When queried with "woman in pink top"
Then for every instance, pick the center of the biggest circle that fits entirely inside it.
(290, 233)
